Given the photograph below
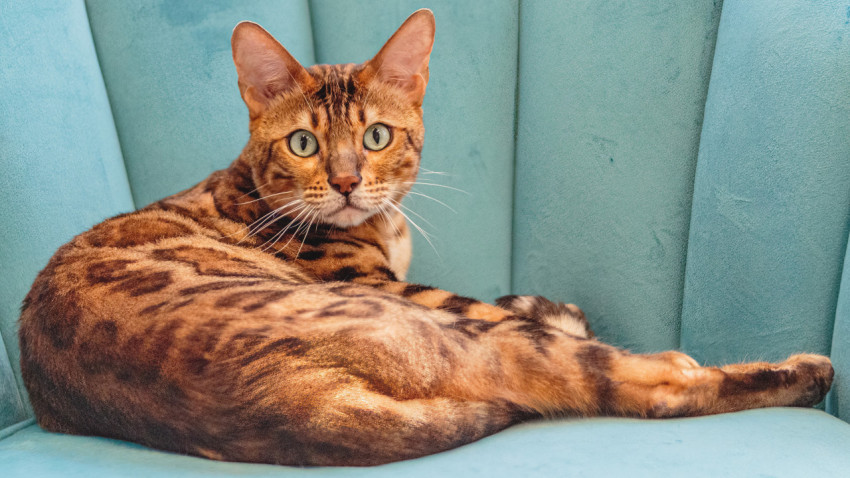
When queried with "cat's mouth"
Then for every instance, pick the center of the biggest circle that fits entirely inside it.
(349, 214)
(350, 208)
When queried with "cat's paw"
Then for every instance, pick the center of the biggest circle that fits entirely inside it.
(815, 374)
(566, 317)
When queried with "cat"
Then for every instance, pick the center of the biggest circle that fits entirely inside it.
(262, 316)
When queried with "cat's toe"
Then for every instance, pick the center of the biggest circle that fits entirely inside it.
(815, 374)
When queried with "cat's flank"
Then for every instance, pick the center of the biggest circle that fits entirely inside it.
(261, 315)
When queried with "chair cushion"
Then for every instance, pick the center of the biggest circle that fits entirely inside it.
(770, 442)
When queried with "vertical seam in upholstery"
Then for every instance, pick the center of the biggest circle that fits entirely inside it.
(313, 31)
(21, 404)
(111, 108)
(832, 406)
(684, 269)
(841, 277)
(512, 258)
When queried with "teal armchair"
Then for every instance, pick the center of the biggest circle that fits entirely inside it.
(681, 170)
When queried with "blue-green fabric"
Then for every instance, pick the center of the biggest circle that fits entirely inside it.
(838, 402)
(61, 169)
(469, 120)
(172, 84)
(775, 443)
(13, 409)
(611, 100)
(610, 157)
(771, 204)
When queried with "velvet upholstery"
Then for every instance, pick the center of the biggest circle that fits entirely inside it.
(172, 86)
(608, 128)
(772, 191)
(678, 169)
(778, 443)
(61, 169)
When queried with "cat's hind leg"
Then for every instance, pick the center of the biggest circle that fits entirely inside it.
(359, 427)
(551, 372)
(672, 384)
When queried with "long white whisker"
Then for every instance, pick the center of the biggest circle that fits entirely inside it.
(389, 219)
(249, 227)
(255, 189)
(382, 209)
(278, 234)
(266, 197)
(268, 219)
(301, 224)
(428, 171)
(415, 193)
(411, 211)
(420, 183)
(421, 231)
(307, 233)
(276, 237)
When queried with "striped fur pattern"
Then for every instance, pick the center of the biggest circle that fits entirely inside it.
(262, 315)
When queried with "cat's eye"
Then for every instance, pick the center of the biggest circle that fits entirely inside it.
(303, 143)
(377, 137)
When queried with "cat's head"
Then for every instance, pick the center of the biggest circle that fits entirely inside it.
(334, 144)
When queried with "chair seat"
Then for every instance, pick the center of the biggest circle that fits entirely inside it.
(775, 442)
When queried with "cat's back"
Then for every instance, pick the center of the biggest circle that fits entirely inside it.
(145, 301)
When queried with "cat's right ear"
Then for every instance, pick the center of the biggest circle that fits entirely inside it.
(403, 60)
(264, 67)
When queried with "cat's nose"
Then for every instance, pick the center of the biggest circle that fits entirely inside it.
(345, 184)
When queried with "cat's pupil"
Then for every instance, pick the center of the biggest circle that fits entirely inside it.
(303, 142)
(376, 136)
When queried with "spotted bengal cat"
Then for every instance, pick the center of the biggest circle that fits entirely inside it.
(262, 315)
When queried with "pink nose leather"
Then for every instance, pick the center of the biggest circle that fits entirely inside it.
(345, 184)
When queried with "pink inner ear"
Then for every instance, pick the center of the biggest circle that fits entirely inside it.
(268, 74)
(408, 56)
(264, 67)
(404, 59)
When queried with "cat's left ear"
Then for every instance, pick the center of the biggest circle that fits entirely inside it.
(403, 60)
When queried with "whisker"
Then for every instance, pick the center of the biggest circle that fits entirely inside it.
(307, 233)
(277, 234)
(301, 224)
(255, 189)
(386, 217)
(266, 197)
(420, 183)
(415, 193)
(249, 226)
(421, 231)
(305, 208)
(268, 219)
(428, 171)
(416, 214)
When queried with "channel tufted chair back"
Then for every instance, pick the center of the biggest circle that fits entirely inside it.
(681, 170)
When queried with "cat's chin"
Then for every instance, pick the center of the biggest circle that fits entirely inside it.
(348, 216)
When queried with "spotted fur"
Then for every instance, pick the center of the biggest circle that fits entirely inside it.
(261, 315)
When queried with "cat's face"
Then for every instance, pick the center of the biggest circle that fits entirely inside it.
(335, 144)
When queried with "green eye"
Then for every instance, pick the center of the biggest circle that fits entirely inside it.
(377, 137)
(303, 143)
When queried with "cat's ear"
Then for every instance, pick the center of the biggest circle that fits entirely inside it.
(264, 67)
(403, 60)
